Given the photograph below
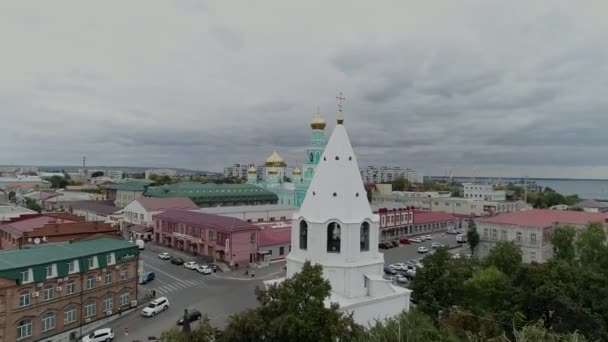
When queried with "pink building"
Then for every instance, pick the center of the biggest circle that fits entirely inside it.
(219, 237)
(399, 222)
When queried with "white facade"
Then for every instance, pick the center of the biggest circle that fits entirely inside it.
(533, 241)
(336, 228)
(386, 174)
(135, 213)
(483, 192)
(160, 172)
(255, 213)
(236, 171)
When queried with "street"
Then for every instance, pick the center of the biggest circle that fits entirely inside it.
(218, 295)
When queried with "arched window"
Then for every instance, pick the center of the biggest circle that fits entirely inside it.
(333, 237)
(303, 235)
(124, 298)
(69, 315)
(48, 321)
(24, 329)
(364, 232)
(311, 157)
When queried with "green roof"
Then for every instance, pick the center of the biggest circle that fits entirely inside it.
(14, 261)
(213, 193)
(129, 186)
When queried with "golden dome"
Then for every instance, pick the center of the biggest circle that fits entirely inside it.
(317, 122)
(252, 169)
(297, 171)
(275, 160)
(273, 171)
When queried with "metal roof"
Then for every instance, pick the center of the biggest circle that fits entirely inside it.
(129, 186)
(211, 192)
(247, 208)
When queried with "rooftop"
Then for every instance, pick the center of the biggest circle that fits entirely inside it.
(422, 217)
(57, 252)
(97, 207)
(274, 236)
(247, 208)
(13, 210)
(139, 185)
(158, 204)
(591, 203)
(229, 224)
(545, 218)
(210, 192)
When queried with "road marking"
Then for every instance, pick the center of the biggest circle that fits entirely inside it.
(191, 283)
(163, 272)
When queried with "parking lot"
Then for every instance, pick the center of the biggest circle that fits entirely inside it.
(404, 253)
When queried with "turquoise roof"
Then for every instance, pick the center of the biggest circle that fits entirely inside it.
(129, 186)
(213, 193)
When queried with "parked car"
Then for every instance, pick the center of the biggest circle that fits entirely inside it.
(461, 238)
(164, 256)
(191, 265)
(423, 249)
(389, 270)
(384, 245)
(398, 266)
(411, 273)
(177, 261)
(451, 231)
(148, 277)
(416, 240)
(456, 256)
(99, 335)
(156, 306)
(436, 245)
(468, 256)
(204, 269)
(405, 241)
(401, 279)
(428, 237)
(193, 315)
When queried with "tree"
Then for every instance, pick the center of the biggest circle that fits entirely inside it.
(591, 246)
(203, 333)
(97, 174)
(563, 243)
(294, 310)
(408, 326)
(12, 196)
(401, 184)
(506, 256)
(57, 182)
(487, 289)
(473, 236)
(161, 180)
(32, 205)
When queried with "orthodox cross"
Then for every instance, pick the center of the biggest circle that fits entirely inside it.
(340, 98)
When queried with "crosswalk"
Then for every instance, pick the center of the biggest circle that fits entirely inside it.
(181, 284)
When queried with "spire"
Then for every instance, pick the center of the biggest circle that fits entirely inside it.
(340, 99)
(336, 190)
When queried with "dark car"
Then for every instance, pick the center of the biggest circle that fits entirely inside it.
(384, 245)
(193, 315)
(389, 270)
(405, 241)
(148, 277)
(177, 261)
(395, 243)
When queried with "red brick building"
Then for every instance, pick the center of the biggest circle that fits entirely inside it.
(37, 229)
(399, 222)
(219, 237)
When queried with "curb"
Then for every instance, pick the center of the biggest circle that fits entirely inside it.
(250, 279)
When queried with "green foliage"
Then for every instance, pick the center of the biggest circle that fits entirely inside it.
(294, 311)
(563, 243)
(58, 182)
(12, 196)
(204, 332)
(410, 326)
(472, 237)
(32, 205)
(591, 245)
(506, 257)
(139, 175)
(161, 180)
(401, 184)
(487, 289)
(97, 174)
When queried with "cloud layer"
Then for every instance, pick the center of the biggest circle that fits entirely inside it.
(497, 88)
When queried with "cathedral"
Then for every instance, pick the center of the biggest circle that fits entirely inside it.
(292, 193)
(335, 227)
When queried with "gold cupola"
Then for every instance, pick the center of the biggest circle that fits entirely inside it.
(275, 160)
(252, 169)
(273, 171)
(317, 122)
(297, 171)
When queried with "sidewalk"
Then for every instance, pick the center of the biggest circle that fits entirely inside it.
(275, 270)
(200, 259)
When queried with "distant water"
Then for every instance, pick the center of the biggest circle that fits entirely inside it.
(584, 188)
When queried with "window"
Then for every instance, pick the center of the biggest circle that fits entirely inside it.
(69, 315)
(24, 329)
(90, 282)
(108, 278)
(494, 234)
(518, 236)
(532, 256)
(108, 304)
(124, 273)
(333, 237)
(48, 321)
(364, 235)
(303, 235)
(90, 309)
(25, 276)
(91, 263)
(124, 298)
(109, 259)
(281, 250)
(71, 267)
(503, 235)
(49, 271)
(24, 298)
(49, 293)
(71, 287)
(533, 238)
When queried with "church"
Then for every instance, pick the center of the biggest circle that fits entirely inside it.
(292, 193)
(335, 227)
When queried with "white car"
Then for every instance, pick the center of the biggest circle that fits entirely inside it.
(164, 256)
(416, 240)
(468, 256)
(158, 305)
(411, 273)
(428, 237)
(204, 269)
(436, 245)
(398, 266)
(191, 265)
(456, 256)
(423, 250)
(100, 335)
(401, 279)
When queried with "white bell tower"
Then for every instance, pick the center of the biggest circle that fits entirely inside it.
(336, 228)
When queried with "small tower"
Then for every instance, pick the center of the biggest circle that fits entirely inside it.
(275, 161)
(272, 180)
(297, 176)
(252, 175)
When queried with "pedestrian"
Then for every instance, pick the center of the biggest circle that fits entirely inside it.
(246, 272)
(236, 265)
(252, 274)
(120, 311)
(153, 293)
(126, 331)
(214, 268)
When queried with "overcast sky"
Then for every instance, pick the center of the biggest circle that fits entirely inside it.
(504, 88)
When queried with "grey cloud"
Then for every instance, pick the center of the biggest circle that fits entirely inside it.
(228, 38)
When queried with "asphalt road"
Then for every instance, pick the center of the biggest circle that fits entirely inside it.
(404, 253)
(213, 295)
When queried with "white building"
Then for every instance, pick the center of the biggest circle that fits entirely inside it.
(141, 210)
(386, 174)
(160, 172)
(236, 171)
(483, 192)
(255, 213)
(531, 230)
(8, 212)
(336, 228)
